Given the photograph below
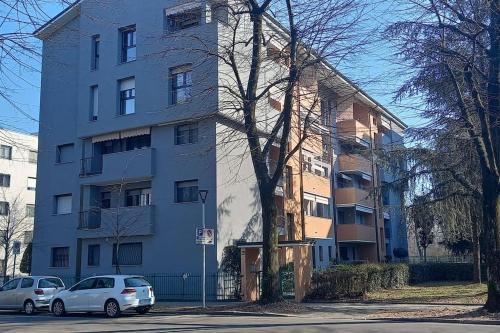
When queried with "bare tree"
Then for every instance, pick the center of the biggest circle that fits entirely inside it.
(13, 224)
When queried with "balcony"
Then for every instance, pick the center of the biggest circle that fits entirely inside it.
(130, 165)
(350, 196)
(356, 233)
(355, 164)
(123, 222)
(318, 227)
(354, 131)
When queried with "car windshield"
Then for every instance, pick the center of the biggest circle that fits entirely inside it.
(136, 282)
(50, 283)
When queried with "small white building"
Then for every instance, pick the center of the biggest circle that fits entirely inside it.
(18, 167)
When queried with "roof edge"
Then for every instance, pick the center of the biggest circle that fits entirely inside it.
(59, 20)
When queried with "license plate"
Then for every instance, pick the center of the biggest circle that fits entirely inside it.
(144, 301)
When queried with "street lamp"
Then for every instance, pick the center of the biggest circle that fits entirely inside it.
(203, 196)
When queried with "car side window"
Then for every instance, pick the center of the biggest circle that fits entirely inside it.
(27, 283)
(104, 283)
(11, 285)
(85, 285)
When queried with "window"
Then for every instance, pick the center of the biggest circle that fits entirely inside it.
(94, 255)
(11, 285)
(289, 223)
(94, 103)
(65, 153)
(33, 156)
(127, 96)
(105, 200)
(85, 285)
(60, 257)
(138, 197)
(314, 256)
(105, 283)
(136, 282)
(63, 204)
(28, 237)
(181, 83)
(27, 283)
(6, 152)
(30, 210)
(289, 181)
(128, 39)
(322, 210)
(185, 134)
(186, 191)
(330, 252)
(4, 208)
(183, 20)
(96, 49)
(128, 254)
(50, 283)
(31, 184)
(320, 250)
(4, 180)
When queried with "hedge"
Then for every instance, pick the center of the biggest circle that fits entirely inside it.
(348, 281)
(428, 272)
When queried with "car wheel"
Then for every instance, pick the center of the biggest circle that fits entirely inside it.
(29, 307)
(58, 308)
(143, 309)
(112, 309)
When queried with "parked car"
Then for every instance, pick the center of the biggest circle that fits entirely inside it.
(29, 293)
(110, 294)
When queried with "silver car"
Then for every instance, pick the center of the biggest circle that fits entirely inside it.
(29, 293)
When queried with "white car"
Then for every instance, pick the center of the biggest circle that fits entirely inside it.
(110, 294)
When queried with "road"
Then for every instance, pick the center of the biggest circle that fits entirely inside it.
(42, 322)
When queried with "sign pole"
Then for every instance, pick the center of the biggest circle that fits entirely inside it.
(14, 268)
(204, 262)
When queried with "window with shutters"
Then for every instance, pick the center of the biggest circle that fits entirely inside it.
(127, 254)
(63, 204)
(60, 257)
(186, 191)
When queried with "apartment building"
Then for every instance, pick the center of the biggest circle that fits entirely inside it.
(18, 169)
(134, 126)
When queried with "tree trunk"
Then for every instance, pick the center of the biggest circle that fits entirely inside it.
(5, 261)
(270, 260)
(476, 249)
(425, 254)
(491, 208)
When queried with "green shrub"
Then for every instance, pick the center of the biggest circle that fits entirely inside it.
(354, 280)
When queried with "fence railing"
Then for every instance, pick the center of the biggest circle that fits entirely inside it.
(182, 287)
(434, 259)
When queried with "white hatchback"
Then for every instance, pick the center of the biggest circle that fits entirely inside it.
(110, 294)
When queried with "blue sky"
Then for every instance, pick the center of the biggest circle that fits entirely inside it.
(373, 69)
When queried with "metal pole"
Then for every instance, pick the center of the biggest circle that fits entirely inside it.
(204, 277)
(14, 268)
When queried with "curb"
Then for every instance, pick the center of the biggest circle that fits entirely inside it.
(222, 313)
(441, 321)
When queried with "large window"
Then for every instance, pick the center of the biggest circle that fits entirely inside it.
(4, 180)
(96, 49)
(138, 197)
(316, 206)
(94, 252)
(33, 156)
(289, 181)
(63, 204)
(6, 152)
(128, 40)
(105, 200)
(127, 96)
(30, 210)
(181, 83)
(31, 184)
(183, 20)
(128, 254)
(187, 133)
(28, 237)
(65, 153)
(4, 208)
(59, 257)
(94, 103)
(186, 191)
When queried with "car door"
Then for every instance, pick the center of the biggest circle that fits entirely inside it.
(78, 296)
(8, 294)
(101, 293)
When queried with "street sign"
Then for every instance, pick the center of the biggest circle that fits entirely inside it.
(205, 236)
(16, 247)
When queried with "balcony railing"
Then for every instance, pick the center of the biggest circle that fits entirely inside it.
(90, 220)
(90, 166)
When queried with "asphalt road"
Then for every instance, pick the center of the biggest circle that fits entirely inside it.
(42, 322)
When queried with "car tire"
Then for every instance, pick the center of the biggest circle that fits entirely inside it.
(112, 309)
(58, 308)
(29, 307)
(143, 310)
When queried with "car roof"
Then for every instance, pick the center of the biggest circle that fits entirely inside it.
(38, 277)
(113, 276)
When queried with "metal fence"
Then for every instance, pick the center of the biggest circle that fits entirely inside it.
(184, 287)
(443, 259)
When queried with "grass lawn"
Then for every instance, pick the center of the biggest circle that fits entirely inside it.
(434, 292)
